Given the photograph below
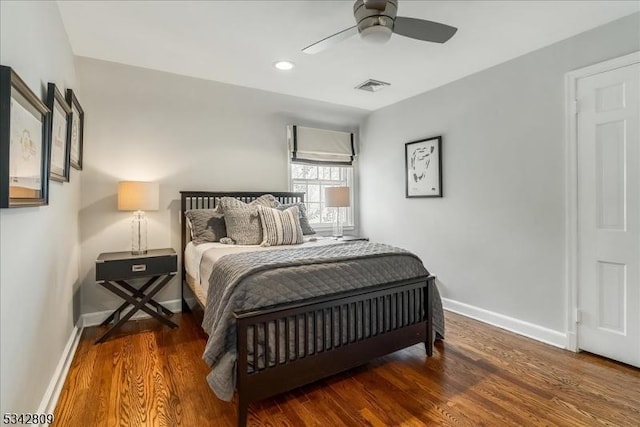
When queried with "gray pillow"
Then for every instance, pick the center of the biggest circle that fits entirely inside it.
(207, 225)
(280, 227)
(243, 224)
(304, 221)
(267, 200)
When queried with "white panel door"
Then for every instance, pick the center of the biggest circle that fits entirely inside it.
(609, 214)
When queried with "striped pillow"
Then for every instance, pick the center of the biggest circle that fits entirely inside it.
(280, 227)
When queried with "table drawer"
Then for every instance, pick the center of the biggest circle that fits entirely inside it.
(136, 267)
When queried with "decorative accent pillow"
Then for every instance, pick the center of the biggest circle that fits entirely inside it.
(243, 224)
(267, 200)
(304, 221)
(280, 227)
(207, 225)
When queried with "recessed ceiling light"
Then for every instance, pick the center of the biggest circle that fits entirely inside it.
(283, 65)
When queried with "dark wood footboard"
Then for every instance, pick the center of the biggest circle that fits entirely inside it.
(303, 342)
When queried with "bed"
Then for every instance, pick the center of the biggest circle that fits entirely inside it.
(335, 322)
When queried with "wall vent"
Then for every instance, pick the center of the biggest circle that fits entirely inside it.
(372, 85)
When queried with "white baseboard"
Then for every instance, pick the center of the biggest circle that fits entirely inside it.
(530, 330)
(572, 341)
(93, 319)
(51, 395)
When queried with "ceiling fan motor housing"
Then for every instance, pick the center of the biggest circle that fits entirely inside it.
(374, 23)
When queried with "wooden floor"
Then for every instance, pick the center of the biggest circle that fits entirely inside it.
(150, 375)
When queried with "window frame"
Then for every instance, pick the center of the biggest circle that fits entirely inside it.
(348, 213)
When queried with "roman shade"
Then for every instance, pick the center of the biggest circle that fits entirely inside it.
(319, 146)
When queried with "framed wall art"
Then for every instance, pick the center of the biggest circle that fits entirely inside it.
(423, 167)
(77, 129)
(24, 145)
(59, 135)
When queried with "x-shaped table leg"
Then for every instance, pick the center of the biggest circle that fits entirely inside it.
(137, 304)
(138, 293)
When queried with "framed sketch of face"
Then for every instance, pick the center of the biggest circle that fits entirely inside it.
(24, 144)
(423, 167)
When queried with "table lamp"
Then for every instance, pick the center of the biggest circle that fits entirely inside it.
(337, 197)
(138, 196)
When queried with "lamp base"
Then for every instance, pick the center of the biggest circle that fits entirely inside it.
(138, 234)
(337, 227)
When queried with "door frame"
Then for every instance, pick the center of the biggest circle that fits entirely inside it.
(571, 186)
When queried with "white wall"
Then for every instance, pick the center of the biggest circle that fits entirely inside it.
(496, 239)
(185, 133)
(39, 246)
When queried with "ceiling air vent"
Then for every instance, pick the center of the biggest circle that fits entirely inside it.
(372, 85)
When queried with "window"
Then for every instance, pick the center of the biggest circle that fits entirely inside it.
(312, 180)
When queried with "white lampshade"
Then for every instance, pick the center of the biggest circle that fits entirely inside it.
(138, 196)
(337, 197)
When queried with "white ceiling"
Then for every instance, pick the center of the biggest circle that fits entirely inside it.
(237, 41)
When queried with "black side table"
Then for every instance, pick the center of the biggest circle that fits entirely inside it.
(114, 269)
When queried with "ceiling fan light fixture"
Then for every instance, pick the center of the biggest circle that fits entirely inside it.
(376, 20)
(284, 65)
(378, 34)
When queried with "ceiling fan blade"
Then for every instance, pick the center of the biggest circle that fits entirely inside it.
(423, 30)
(331, 40)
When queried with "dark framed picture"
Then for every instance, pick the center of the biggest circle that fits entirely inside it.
(59, 135)
(423, 167)
(24, 145)
(77, 129)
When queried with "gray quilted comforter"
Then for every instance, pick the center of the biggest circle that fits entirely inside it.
(256, 279)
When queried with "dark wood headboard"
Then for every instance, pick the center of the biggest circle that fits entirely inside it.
(190, 200)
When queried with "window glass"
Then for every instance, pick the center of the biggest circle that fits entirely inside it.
(312, 180)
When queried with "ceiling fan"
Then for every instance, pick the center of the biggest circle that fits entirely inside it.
(376, 20)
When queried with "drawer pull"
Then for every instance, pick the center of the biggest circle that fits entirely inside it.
(139, 267)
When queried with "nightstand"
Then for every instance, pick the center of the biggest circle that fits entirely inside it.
(114, 271)
(348, 238)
